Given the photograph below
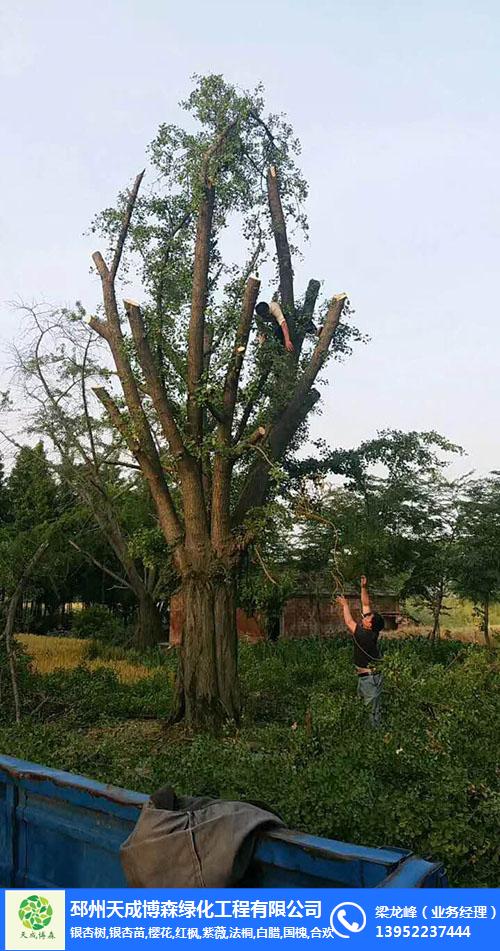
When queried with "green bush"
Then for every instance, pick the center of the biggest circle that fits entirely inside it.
(427, 781)
(98, 622)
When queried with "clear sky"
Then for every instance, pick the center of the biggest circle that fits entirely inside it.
(396, 104)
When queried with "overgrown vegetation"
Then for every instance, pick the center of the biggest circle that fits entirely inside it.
(427, 781)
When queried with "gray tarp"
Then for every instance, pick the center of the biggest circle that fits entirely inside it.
(201, 843)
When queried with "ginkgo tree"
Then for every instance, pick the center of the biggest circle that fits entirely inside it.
(206, 404)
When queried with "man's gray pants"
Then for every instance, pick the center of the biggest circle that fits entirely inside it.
(370, 691)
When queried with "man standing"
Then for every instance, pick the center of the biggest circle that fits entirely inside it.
(366, 651)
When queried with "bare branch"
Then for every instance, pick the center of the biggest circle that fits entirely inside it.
(282, 246)
(320, 352)
(100, 327)
(307, 312)
(253, 115)
(87, 554)
(240, 345)
(288, 422)
(125, 225)
(198, 305)
(153, 382)
(86, 407)
(151, 467)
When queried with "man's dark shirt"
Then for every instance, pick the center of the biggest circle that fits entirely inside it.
(366, 651)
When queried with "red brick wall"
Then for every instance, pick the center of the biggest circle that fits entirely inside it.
(303, 616)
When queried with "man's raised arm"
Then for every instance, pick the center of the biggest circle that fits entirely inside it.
(365, 597)
(348, 618)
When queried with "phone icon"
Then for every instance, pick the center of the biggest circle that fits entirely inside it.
(347, 919)
(355, 926)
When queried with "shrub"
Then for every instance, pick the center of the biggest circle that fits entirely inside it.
(98, 622)
(427, 781)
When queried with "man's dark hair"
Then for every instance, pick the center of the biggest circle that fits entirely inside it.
(377, 623)
(262, 309)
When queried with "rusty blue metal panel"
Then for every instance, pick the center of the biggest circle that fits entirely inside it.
(8, 800)
(416, 873)
(287, 857)
(65, 830)
(60, 829)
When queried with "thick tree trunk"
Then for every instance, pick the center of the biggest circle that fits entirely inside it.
(208, 686)
(148, 631)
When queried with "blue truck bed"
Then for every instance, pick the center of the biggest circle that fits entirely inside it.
(58, 829)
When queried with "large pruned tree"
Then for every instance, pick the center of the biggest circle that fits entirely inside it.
(207, 411)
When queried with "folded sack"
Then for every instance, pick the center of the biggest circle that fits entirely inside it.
(200, 843)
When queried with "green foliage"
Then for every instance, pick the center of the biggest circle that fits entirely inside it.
(426, 781)
(32, 489)
(477, 560)
(390, 514)
(97, 622)
(458, 615)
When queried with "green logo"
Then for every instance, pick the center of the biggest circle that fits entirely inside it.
(35, 912)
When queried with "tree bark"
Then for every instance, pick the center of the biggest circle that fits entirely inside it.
(208, 689)
(436, 628)
(486, 621)
(149, 629)
(282, 246)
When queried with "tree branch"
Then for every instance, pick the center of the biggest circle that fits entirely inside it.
(238, 355)
(247, 412)
(198, 306)
(320, 352)
(307, 312)
(282, 246)
(153, 383)
(288, 422)
(151, 467)
(99, 564)
(125, 225)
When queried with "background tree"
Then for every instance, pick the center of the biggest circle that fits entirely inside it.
(477, 559)
(207, 414)
(431, 577)
(57, 366)
(31, 488)
(387, 515)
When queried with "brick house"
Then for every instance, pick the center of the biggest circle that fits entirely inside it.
(303, 615)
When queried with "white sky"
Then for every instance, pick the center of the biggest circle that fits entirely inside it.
(396, 104)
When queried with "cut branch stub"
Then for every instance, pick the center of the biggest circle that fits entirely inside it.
(241, 341)
(291, 418)
(306, 314)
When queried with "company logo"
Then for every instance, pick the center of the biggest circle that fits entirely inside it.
(347, 919)
(33, 919)
(35, 912)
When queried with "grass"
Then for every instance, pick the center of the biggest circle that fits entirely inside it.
(66, 653)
